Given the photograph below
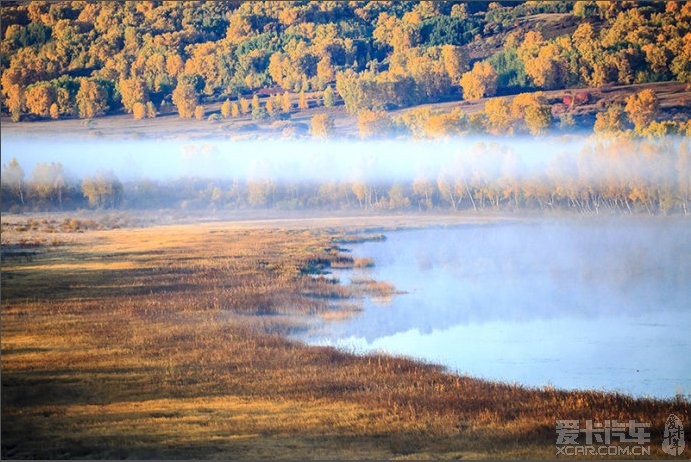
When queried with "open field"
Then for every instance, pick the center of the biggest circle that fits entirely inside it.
(674, 99)
(168, 341)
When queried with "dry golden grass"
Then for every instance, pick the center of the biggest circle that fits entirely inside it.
(168, 342)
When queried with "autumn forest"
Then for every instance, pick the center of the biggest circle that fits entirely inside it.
(273, 59)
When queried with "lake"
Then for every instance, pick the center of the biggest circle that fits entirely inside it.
(578, 304)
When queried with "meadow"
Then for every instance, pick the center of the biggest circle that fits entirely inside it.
(169, 341)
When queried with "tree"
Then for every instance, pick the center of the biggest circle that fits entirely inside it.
(174, 65)
(39, 98)
(498, 116)
(286, 102)
(374, 123)
(547, 68)
(363, 193)
(185, 98)
(585, 8)
(54, 111)
(260, 113)
(325, 71)
(610, 121)
(681, 63)
(399, 34)
(151, 112)
(455, 61)
(244, 105)
(641, 108)
(226, 109)
(397, 197)
(543, 60)
(329, 96)
(423, 191)
(48, 182)
(102, 190)
(138, 110)
(460, 11)
(522, 101)
(322, 125)
(538, 118)
(446, 188)
(132, 91)
(271, 108)
(15, 100)
(480, 82)
(302, 101)
(92, 99)
(199, 112)
(13, 179)
(658, 60)
(348, 86)
(444, 125)
(235, 110)
(260, 192)
(430, 77)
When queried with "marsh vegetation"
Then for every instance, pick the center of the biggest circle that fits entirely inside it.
(170, 341)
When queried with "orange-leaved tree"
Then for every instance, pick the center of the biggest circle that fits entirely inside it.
(479, 82)
(641, 109)
(185, 97)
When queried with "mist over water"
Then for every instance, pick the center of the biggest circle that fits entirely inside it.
(576, 304)
(567, 157)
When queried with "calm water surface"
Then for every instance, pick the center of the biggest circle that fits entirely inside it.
(588, 304)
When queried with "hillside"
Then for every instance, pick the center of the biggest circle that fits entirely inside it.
(273, 61)
(674, 101)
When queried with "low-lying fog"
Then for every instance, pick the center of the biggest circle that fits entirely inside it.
(567, 157)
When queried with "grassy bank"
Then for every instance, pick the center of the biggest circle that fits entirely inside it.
(169, 342)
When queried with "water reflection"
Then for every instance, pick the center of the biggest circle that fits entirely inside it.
(583, 304)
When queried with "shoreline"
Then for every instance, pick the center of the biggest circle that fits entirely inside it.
(153, 329)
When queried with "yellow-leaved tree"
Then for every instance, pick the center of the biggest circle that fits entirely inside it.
(374, 123)
(244, 105)
(609, 122)
(226, 109)
(641, 109)
(498, 116)
(185, 98)
(132, 91)
(91, 99)
(139, 110)
(479, 82)
(322, 125)
(199, 112)
(286, 102)
(39, 99)
(302, 101)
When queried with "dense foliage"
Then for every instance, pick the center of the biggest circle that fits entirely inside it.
(84, 59)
